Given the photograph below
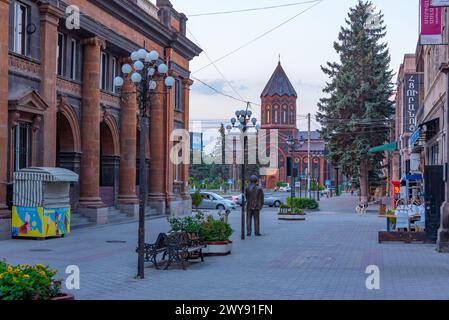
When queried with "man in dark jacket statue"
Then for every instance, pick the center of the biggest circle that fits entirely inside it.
(254, 203)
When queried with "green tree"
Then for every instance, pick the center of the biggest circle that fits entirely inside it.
(355, 112)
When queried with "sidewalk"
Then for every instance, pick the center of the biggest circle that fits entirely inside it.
(324, 257)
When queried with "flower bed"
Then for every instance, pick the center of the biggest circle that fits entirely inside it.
(27, 282)
(286, 213)
(215, 233)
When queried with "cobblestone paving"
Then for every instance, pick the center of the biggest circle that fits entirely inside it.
(324, 257)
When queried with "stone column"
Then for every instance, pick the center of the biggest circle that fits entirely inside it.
(50, 16)
(91, 204)
(185, 189)
(157, 168)
(5, 214)
(127, 199)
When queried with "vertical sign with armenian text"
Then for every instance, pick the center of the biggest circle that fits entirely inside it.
(411, 101)
(431, 24)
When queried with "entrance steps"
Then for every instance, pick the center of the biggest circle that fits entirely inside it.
(114, 217)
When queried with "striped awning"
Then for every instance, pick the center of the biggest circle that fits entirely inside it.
(46, 175)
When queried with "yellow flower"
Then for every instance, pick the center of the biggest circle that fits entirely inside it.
(14, 279)
(1, 275)
(43, 273)
(9, 269)
(40, 265)
(26, 276)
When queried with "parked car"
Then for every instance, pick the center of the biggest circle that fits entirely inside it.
(271, 201)
(213, 201)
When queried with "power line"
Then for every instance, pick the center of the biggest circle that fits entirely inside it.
(252, 9)
(261, 36)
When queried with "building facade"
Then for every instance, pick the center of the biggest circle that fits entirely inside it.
(59, 107)
(279, 112)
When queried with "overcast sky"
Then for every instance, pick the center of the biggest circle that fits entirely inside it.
(304, 44)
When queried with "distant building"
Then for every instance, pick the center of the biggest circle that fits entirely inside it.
(279, 111)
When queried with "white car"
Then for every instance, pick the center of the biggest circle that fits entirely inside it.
(213, 201)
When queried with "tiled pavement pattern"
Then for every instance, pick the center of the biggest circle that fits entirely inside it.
(324, 257)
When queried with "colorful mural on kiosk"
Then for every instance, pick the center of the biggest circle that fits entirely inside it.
(38, 222)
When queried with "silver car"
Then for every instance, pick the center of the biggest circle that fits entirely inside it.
(213, 201)
(271, 201)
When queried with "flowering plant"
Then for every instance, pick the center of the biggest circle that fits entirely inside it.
(27, 282)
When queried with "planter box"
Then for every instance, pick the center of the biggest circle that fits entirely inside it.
(291, 217)
(218, 248)
(407, 237)
(64, 297)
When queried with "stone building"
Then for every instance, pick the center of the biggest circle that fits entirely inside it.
(279, 112)
(402, 125)
(58, 105)
(429, 140)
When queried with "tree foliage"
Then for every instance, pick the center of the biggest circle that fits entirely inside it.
(355, 114)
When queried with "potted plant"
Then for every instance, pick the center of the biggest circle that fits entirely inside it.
(27, 282)
(216, 233)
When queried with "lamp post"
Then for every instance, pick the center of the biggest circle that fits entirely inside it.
(291, 142)
(144, 70)
(337, 186)
(243, 122)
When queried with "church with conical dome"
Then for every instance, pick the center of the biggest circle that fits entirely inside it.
(279, 112)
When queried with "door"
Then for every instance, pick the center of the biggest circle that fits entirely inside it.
(434, 198)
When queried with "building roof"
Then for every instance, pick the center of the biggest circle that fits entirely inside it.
(314, 135)
(279, 84)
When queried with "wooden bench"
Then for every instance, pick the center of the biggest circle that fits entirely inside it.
(178, 246)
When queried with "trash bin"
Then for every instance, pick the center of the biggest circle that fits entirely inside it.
(41, 202)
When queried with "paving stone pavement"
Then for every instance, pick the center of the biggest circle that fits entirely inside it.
(324, 257)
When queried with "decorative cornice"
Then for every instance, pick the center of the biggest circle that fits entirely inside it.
(24, 65)
(50, 13)
(108, 99)
(69, 87)
(143, 23)
(94, 41)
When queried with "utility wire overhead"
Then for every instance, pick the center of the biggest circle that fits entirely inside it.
(251, 9)
(261, 36)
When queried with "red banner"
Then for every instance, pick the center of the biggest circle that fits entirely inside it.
(431, 25)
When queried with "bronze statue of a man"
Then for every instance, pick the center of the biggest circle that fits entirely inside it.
(254, 203)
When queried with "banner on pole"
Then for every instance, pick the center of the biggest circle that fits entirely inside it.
(431, 25)
(440, 3)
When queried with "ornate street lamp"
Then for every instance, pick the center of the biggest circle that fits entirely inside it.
(291, 142)
(243, 121)
(143, 71)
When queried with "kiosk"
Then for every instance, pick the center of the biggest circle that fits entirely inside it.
(41, 202)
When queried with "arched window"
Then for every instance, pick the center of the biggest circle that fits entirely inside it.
(284, 116)
(292, 116)
(275, 116)
(268, 116)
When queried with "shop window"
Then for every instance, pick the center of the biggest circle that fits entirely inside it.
(22, 146)
(434, 154)
(21, 37)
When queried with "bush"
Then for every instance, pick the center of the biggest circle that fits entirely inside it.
(215, 230)
(26, 282)
(209, 229)
(196, 199)
(303, 203)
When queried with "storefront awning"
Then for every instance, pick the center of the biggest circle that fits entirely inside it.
(389, 147)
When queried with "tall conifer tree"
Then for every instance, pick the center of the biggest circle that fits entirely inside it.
(355, 114)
